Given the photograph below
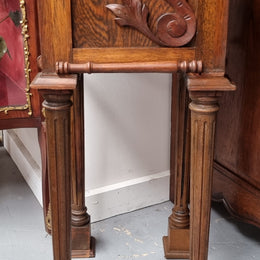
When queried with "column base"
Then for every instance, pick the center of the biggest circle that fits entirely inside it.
(83, 245)
(176, 245)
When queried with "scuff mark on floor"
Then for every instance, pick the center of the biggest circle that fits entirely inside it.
(139, 241)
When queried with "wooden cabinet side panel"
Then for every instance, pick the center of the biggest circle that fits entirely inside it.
(237, 154)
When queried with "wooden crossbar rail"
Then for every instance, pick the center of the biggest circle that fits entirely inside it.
(133, 67)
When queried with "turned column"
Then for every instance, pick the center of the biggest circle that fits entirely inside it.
(177, 243)
(82, 242)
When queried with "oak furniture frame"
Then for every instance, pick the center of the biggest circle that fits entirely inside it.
(72, 43)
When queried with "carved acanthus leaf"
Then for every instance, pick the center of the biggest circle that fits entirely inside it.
(133, 13)
(173, 29)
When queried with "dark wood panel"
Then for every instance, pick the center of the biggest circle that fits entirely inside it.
(106, 33)
(212, 18)
(54, 19)
(19, 123)
(238, 132)
(241, 198)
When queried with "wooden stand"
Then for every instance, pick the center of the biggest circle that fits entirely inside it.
(81, 36)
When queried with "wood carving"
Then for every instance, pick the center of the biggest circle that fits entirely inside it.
(172, 29)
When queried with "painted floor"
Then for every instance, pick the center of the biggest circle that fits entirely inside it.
(136, 235)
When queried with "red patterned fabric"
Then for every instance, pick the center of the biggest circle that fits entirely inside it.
(12, 76)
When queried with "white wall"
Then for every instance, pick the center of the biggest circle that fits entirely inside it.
(127, 130)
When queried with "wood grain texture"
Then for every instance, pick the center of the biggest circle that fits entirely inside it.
(55, 32)
(241, 198)
(238, 139)
(131, 54)
(106, 33)
(203, 120)
(209, 82)
(57, 106)
(172, 29)
(96, 38)
(79, 214)
(212, 19)
(45, 175)
(54, 82)
(130, 67)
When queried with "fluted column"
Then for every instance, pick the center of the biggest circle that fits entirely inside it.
(45, 176)
(204, 92)
(176, 244)
(204, 107)
(57, 92)
(57, 106)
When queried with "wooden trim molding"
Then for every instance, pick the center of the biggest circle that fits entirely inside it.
(172, 29)
(99, 55)
(246, 194)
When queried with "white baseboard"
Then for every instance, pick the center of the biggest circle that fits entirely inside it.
(102, 202)
(23, 159)
(127, 196)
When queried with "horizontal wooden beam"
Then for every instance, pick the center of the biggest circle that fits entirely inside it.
(130, 67)
(101, 55)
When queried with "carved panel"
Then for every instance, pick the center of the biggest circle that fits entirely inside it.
(106, 33)
(172, 29)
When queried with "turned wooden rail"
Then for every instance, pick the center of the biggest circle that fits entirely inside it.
(136, 67)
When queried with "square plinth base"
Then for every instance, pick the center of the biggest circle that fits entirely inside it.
(170, 253)
(85, 253)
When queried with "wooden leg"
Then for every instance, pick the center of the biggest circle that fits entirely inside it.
(57, 108)
(45, 177)
(177, 243)
(82, 243)
(204, 107)
(57, 92)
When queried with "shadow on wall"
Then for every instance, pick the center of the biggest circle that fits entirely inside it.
(127, 126)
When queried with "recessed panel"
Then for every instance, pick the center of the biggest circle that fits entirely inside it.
(94, 24)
